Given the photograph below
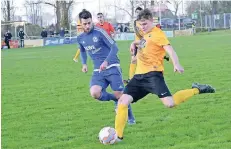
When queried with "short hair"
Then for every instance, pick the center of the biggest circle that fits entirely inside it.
(139, 8)
(100, 13)
(145, 14)
(84, 14)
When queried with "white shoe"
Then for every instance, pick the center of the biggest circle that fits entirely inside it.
(118, 140)
(75, 60)
(131, 122)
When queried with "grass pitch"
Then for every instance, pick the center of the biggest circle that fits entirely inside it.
(46, 102)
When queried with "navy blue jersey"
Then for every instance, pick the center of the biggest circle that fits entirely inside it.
(99, 46)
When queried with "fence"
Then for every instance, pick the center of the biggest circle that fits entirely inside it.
(217, 21)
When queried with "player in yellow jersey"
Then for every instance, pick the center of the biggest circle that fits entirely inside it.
(149, 77)
(79, 31)
(138, 36)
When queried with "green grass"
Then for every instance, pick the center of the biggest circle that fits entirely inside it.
(46, 102)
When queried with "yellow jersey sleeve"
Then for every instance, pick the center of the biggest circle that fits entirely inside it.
(160, 38)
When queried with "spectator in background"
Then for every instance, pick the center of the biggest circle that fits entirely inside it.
(62, 32)
(119, 28)
(66, 31)
(193, 27)
(105, 25)
(7, 37)
(125, 28)
(44, 33)
(51, 32)
(21, 35)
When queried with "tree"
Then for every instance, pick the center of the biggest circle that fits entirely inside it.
(144, 4)
(62, 9)
(129, 8)
(194, 7)
(57, 7)
(208, 7)
(176, 5)
(65, 9)
(33, 11)
(225, 6)
(7, 9)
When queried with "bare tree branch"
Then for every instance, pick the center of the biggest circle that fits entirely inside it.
(144, 3)
(123, 9)
(69, 4)
(3, 9)
(50, 4)
(176, 5)
(33, 10)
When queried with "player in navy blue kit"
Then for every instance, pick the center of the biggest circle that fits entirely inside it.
(103, 51)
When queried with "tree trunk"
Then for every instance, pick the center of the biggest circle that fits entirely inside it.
(132, 9)
(145, 4)
(64, 10)
(8, 10)
(8, 13)
(64, 18)
(152, 2)
(65, 22)
(58, 15)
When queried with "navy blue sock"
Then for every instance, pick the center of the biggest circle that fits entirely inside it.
(130, 114)
(105, 96)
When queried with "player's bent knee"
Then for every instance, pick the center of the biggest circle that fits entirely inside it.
(125, 99)
(95, 92)
(168, 102)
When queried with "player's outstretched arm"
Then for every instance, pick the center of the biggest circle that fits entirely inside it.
(83, 55)
(110, 43)
(171, 52)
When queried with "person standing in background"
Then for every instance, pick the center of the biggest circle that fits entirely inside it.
(7, 37)
(21, 35)
(44, 33)
(105, 25)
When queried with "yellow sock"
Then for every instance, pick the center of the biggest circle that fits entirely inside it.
(121, 119)
(132, 70)
(183, 95)
(77, 54)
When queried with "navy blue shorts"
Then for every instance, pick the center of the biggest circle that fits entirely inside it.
(112, 76)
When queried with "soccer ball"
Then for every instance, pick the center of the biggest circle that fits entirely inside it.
(107, 135)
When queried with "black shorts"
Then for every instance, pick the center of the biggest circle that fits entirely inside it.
(142, 84)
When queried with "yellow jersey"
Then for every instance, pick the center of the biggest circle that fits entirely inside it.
(79, 27)
(150, 56)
